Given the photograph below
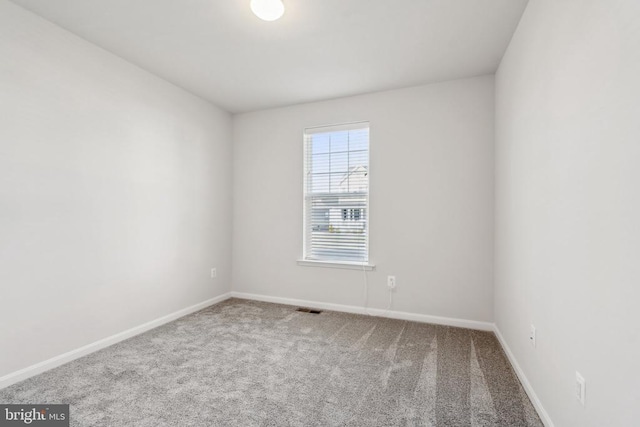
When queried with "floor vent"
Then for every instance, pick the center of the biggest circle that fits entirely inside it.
(309, 310)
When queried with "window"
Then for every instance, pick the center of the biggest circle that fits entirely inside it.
(351, 214)
(336, 193)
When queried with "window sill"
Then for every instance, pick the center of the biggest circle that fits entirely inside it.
(336, 264)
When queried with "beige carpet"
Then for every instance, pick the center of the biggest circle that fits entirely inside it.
(244, 363)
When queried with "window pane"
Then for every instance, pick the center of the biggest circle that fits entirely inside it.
(320, 163)
(340, 162)
(358, 179)
(319, 183)
(339, 183)
(358, 158)
(339, 141)
(320, 143)
(359, 139)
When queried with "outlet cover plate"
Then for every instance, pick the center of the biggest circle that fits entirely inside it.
(391, 282)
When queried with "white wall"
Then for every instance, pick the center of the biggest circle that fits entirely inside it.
(114, 193)
(431, 205)
(568, 205)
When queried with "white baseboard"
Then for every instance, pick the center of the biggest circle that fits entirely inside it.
(415, 317)
(54, 362)
(544, 416)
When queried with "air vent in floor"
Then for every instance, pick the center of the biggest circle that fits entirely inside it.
(309, 310)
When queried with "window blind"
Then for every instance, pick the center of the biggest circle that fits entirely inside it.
(336, 193)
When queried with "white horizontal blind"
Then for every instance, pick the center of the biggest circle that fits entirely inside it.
(336, 199)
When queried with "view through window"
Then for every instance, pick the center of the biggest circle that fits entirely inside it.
(336, 191)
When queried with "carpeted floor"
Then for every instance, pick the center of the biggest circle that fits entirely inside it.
(245, 363)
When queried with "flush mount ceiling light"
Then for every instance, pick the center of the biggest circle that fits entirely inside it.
(268, 10)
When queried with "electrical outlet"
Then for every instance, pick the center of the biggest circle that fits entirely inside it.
(580, 388)
(391, 282)
(532, 336)
(214, 273)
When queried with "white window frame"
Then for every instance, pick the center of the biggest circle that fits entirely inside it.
(304, 260)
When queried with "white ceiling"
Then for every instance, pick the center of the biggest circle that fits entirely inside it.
(320, 49)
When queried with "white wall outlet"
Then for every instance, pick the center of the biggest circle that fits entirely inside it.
(580, 388)
(214, 273)
(532, 336)
(391, 282)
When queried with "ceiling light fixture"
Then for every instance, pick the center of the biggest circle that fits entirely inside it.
(268, 10)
